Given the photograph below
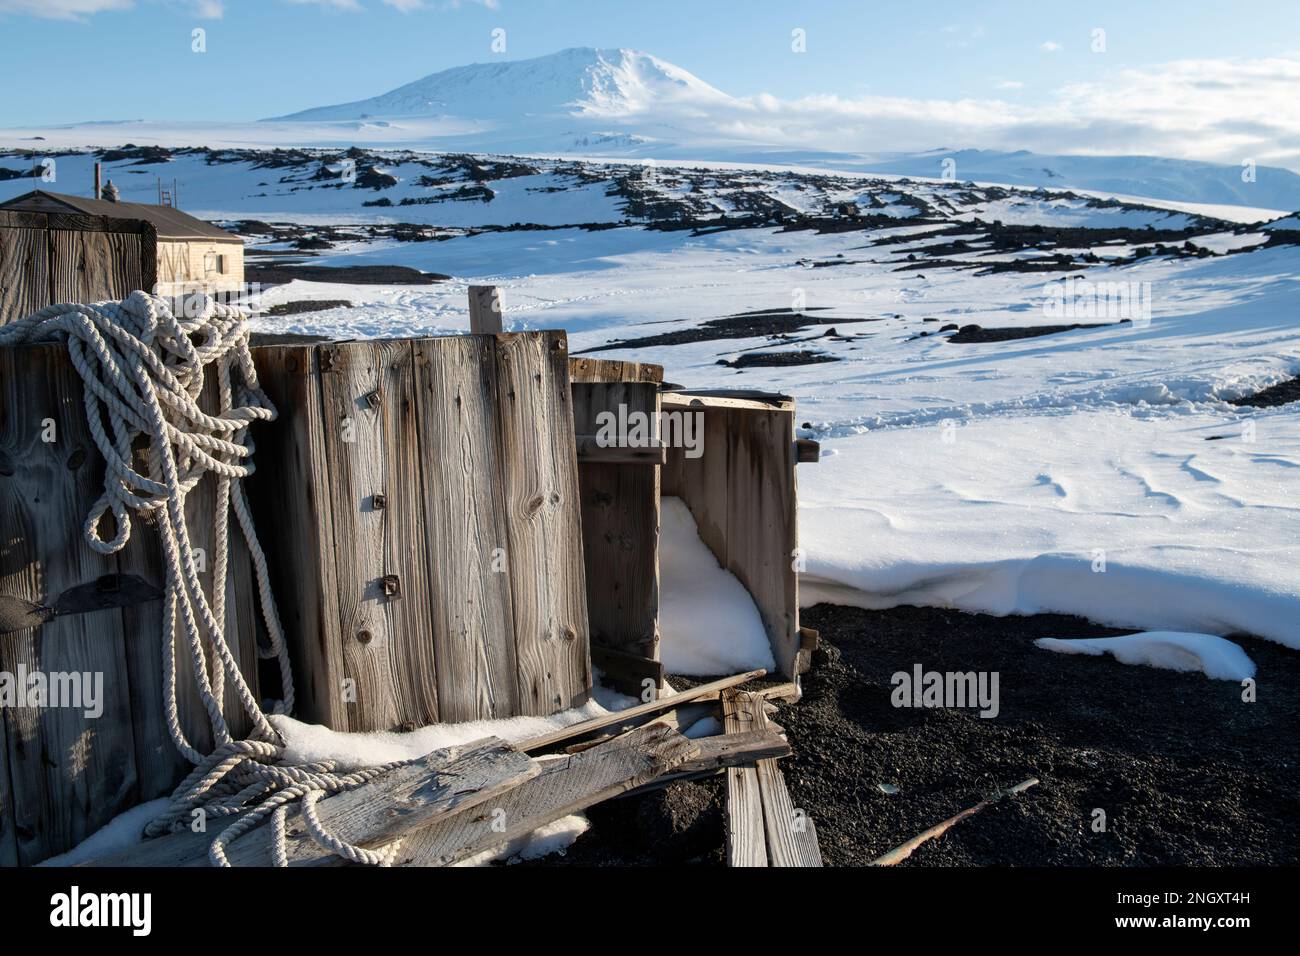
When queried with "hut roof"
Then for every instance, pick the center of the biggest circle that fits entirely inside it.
(171, 223)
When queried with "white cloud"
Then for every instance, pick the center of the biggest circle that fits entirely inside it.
(1222, 111)
(352, 6)
(1051, 46)
(1009, 85)
(62, 9)
(81, 9)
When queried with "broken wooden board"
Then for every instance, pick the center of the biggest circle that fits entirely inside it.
(763, 826)
(419, 506)
(746, 838)
(398, 804)
(632, 715)
(720, 752)
(681, 718)
(390, 807)
(566, 785)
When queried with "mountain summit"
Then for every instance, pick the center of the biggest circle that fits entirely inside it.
(582, 81)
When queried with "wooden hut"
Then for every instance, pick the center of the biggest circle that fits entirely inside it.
(60, 248)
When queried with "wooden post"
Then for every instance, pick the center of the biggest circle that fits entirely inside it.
(484, 310)
(99, 187)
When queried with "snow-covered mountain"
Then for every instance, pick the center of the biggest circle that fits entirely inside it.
(579, 81)
(627, 105)
(624, 103)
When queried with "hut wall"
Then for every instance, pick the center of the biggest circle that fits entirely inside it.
(200, 266)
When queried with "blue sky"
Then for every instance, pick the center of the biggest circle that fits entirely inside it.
(127, 59)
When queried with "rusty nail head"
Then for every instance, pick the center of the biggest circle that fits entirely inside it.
(380, 502)
(375, 398)
(392, 585)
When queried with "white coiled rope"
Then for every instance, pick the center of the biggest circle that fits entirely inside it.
(143, 371)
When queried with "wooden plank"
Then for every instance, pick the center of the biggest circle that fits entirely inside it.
(471, 451)
(387, 808)
(720, 752)
(727, 398)
(620, 528)
(628, 716)
(583, 369)
(762, 529)
(94, 266)
(565, 785)
(742, 493)
(149, 257)
(160, 766)
(485, 310)
(732, 749)
(704, 482)
(540, 484)
(790, 692)
(672, 474)
(591, 450)
(464, 509)
(791, 839)
(681, 718)
(24, 272)
(70, 773)
(746, 838)
(372, 447)
(627, 673)
(295, 524)
(399, 804)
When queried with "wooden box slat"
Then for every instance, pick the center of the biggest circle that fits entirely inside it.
(465, 518)
(620, 513)
(469, 441)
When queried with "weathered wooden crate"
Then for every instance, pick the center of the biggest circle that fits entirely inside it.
(418, 500)
(742, 493)
(63, 774)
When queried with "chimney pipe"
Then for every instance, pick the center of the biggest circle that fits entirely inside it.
(98, 186)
